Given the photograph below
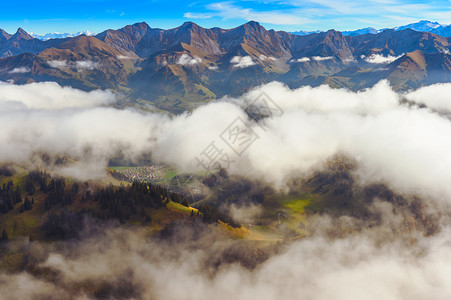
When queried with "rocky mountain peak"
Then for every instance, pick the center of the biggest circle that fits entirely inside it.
(21, 35)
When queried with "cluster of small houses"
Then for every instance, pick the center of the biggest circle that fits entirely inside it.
(147, 173)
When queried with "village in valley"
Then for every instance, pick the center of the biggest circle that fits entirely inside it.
(152, 173)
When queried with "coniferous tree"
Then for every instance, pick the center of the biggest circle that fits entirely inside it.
(17, 196)
(29, 186)
(27, 204)
(75, 188)
(5, 238)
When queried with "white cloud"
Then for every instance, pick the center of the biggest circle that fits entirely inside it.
(246, 213)
(124, 57)
(264, 57)
(406, 147)
(380, 59)
(435, 96)
(35, 288)
(242, 61)
(197, 16)
(57, 64)
(379, 69)
(185, 59)
(373, 264)
(307, 59)
(213, 68)
(20, 70)
(372, 126)
(349, 60)
(88, 135)
(326, 14)
(321, 58)
(228, 10)
(86, 65)
(49, 96)
(300, 60)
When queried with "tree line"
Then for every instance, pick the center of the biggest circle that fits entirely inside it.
(10, 195)
(119, 203)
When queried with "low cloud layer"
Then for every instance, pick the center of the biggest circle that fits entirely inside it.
(392, 141)
(20, 70)
(434, 96)
(320, 58)
(380, 59)
(266, 58)
(186, 60)
(313, 58)
(86, 65)
(372, 126)
(49, 96)
(79, 65)
(377, 263)
(124, 57)
(57, 64)
(242, 61)
(301, 60)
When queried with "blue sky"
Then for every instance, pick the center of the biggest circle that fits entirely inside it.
(290, 15)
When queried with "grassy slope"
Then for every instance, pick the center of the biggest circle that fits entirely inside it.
(264, 232)
(29, 223)
(280, 213)
(21, 226)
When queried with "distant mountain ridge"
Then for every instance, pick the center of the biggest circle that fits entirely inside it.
(57, 35)
(368, 30)
(180, 68)
(422, 26)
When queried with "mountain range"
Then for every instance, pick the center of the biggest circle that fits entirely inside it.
(181, 68)
(423, 26)
(58, 35)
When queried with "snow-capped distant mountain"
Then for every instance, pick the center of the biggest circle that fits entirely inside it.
(57, 35)
(423, 25)
(302, 32)
(362, 31)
